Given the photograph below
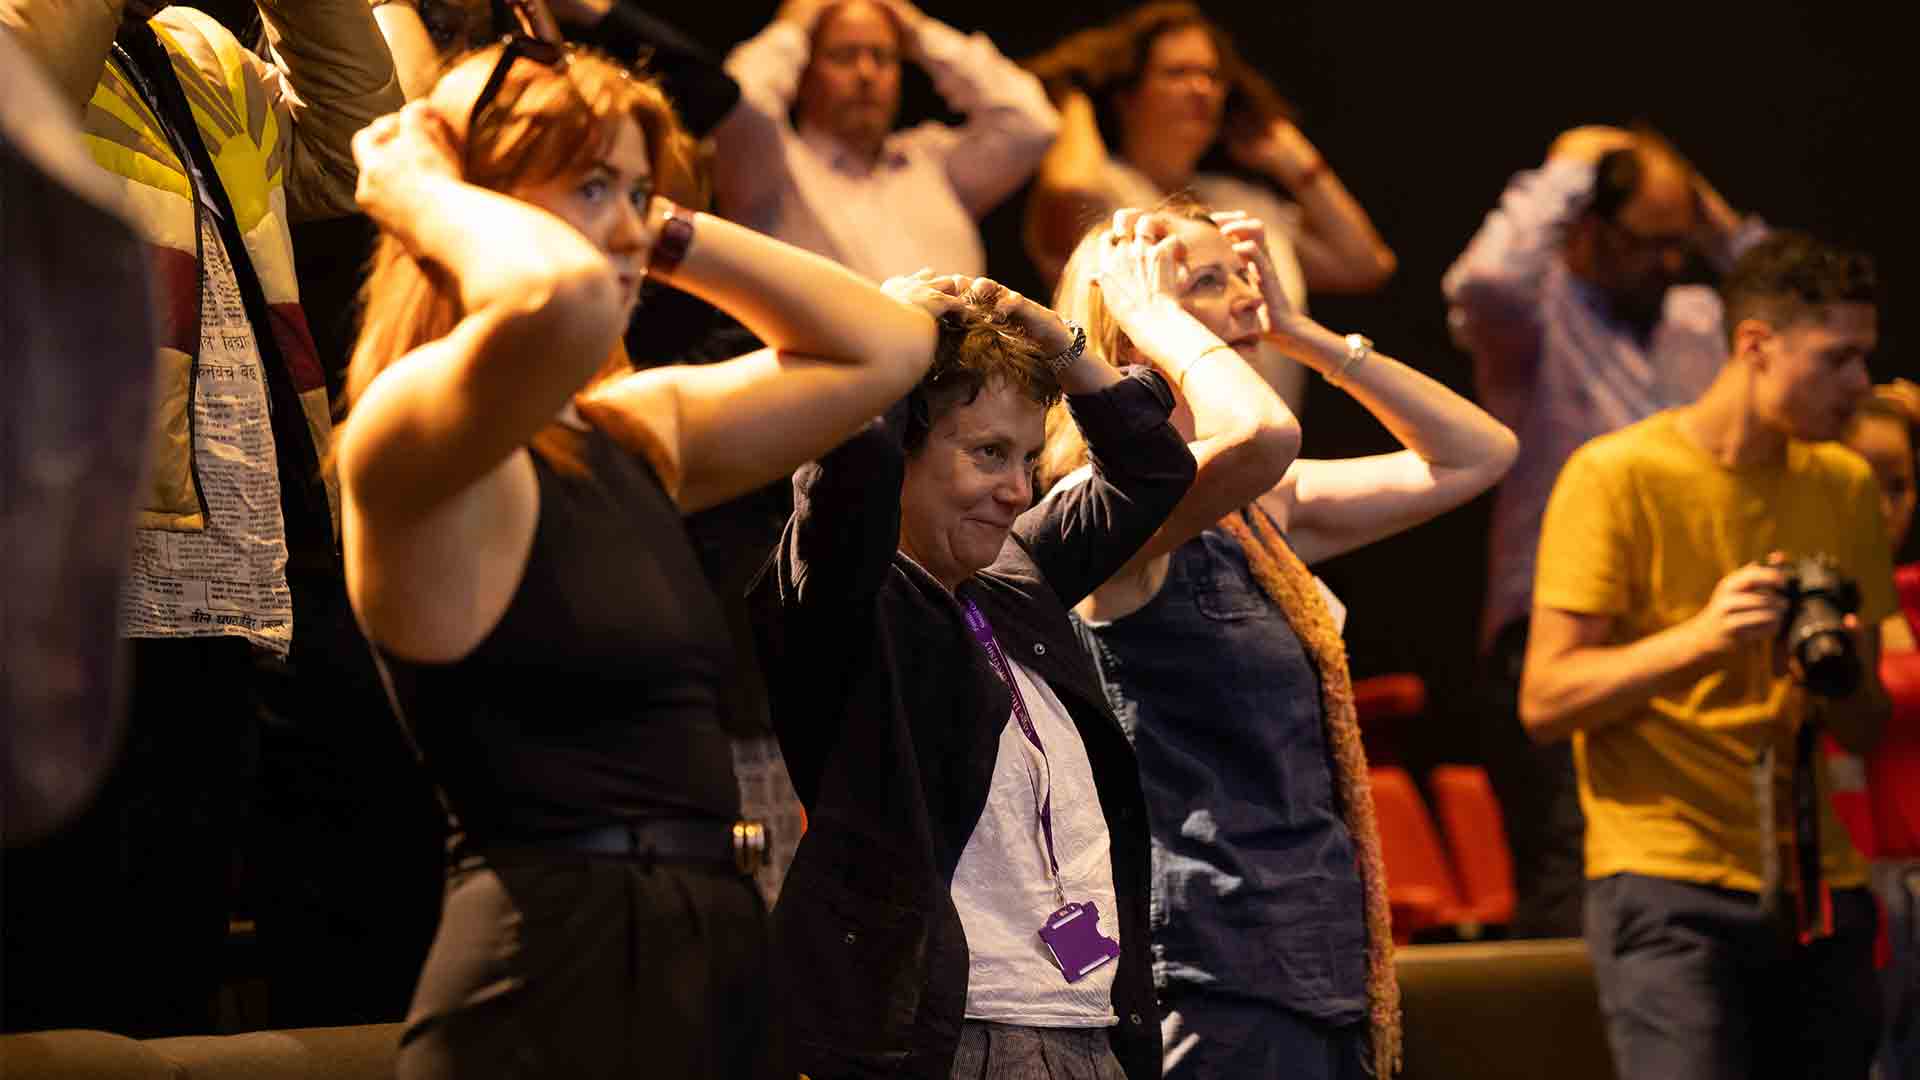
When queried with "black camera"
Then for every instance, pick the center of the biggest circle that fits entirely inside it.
(1819, 599)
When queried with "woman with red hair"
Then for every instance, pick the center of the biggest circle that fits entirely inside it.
(513, 495)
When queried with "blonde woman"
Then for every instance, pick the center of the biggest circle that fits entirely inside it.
(1272, 946)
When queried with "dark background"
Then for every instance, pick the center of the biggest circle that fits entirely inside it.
(1791, 110)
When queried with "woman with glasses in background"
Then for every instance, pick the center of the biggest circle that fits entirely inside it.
(1159, 101)
(513, 495)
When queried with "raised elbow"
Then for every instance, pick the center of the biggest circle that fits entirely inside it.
(1274, 442)
(1043, 124)
(578, 304)
(1505, 451)
(1379, 269)
(1253, 456)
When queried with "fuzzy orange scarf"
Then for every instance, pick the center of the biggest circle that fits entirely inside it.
(1288, 584)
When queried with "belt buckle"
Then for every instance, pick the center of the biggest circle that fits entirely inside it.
(752, 846)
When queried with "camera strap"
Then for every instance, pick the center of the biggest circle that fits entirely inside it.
(1795, 894)
(1812, 899)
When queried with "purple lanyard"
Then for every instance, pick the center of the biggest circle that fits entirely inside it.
(983, 633)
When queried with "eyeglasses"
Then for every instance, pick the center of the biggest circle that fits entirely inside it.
(515, 46)
(1679, 243)
(1179, 73)
(849, 55)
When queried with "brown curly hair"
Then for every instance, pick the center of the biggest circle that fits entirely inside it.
(976, 348)
(1106, 60)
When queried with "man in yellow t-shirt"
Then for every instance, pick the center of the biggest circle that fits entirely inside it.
(1658, 608)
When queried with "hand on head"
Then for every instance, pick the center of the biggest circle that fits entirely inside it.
(1141, 262)
(1248, 235)
(803, 13)
(1591, 142)
(943, 294)
(1276, 147)
(927, 291)
(904, 13)
(397, 150)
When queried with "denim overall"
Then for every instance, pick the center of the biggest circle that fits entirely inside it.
(1256, 890)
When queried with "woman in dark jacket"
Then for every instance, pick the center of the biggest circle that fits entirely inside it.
(959, 893)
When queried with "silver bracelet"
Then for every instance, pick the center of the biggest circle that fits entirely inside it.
(1359, 347)
(1066, 357)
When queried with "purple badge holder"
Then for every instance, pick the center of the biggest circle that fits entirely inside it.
(1073, 936)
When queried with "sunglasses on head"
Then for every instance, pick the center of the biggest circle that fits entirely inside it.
(513, 47)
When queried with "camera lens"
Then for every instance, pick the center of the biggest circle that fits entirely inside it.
(1828, 665)
(1819, 600)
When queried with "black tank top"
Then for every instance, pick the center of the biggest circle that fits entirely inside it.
(596, 699)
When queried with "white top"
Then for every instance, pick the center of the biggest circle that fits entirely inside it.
(1002, 886)
(1128, 186)
(919, 204)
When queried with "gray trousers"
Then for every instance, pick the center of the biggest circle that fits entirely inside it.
(991, 1051)
(1698, 983)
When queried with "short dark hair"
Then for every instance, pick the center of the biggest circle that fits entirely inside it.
(1789, 276)
(976, 347)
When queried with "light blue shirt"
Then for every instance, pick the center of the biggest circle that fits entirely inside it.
(1553, 362)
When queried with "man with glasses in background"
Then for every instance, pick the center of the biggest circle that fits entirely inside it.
(1579, 301)
(810, 154)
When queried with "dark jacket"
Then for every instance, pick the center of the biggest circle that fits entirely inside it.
(890, 717)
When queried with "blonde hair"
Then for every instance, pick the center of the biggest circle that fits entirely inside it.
(544, 123)
(1077, 298)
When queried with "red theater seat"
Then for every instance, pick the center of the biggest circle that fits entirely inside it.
(1420, 884)
(1477, 837)
(1383, 698)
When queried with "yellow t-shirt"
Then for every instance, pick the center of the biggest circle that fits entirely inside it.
(1642, 525)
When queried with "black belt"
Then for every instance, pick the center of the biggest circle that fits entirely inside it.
(743, 844)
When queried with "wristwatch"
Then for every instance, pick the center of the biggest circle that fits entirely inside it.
(1359, 347)
(675, 236)
(1066, 357)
